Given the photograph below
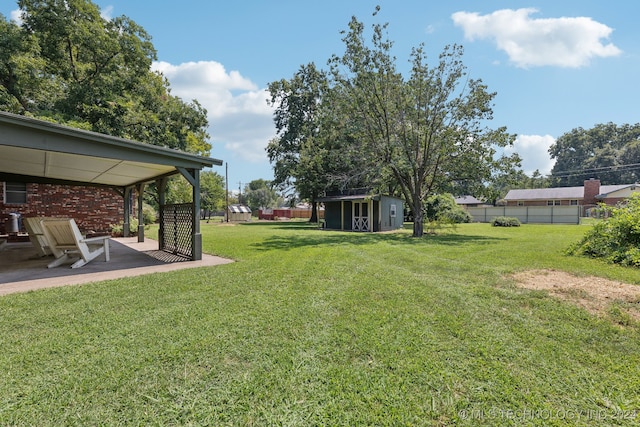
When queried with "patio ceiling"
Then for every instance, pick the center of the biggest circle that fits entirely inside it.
(38, 151)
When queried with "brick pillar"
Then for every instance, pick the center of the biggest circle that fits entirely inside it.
(591, 190)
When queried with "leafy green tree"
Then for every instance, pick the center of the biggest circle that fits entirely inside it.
(297, 102)
(178, 190)
(212, 191)
(630, 155)
(608, 152)
(260, 194)
(443, 208)
(68, 64)
(21, 68)
(427, 131)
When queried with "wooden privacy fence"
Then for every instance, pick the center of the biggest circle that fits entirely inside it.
(530, 214)
(287, 213)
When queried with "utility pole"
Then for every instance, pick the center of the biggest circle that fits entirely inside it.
(240, 192)
(226, 179)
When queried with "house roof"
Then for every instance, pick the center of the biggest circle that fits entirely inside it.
(546, 193)
(564, 193)
(33, 150)
(607, 190)
(239, 209)
(468, 200)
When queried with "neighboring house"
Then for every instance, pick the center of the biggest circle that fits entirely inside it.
(469, 202)
(239, 213)
(354, 210)
(587, 196)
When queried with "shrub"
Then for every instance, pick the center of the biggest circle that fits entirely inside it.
(118, 229)
(442, 208)
(149, 214)
(616, 238)
(505, 221)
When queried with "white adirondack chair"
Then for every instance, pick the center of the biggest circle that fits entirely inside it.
(36, 235)
(64, 240)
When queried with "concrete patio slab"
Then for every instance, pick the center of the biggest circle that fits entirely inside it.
(22, 271)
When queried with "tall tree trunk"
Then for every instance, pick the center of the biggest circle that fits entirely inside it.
(314, 212)
(418, 222)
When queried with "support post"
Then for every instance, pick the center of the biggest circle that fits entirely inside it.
(196, 241)
(126, 223)
(140, 190)
(162, 189)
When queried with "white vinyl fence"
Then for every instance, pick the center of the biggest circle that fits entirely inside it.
(530, 214)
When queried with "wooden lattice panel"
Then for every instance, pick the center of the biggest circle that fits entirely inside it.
(177, 229)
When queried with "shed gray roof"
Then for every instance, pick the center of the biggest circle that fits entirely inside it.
(239, 209)
(34, 150)
(354, 197)
(346, 198)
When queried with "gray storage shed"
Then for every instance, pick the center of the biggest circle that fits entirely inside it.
(362, 212)
(239, 213)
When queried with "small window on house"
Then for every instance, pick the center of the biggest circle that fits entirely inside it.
(520, 202)
(573, 202)
(15, 193)
(549, 202)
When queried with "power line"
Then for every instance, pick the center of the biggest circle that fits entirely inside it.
(578, 172)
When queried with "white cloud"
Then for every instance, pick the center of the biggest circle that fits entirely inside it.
(239, 116)
(16, 15)
(563, 42)
(106, 13)
(534, 151)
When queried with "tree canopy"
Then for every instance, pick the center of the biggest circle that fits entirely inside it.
(608, 152)
(420, 135)
(68, 64)
(179, 190)
(259, 194)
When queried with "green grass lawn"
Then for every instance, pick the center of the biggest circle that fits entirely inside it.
(314, 327)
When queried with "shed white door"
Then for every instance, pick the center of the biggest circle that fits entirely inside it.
(360, 212)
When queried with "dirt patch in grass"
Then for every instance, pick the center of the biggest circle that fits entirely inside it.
(599, 296)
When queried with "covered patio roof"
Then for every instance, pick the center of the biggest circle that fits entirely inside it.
(34, 150)
(37, 151)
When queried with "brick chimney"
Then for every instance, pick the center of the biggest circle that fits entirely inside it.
(591, 190)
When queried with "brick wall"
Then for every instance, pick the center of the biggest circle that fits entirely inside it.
(540, 203)
(94, 209)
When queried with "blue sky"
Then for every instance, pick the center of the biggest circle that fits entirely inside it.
(555, 65)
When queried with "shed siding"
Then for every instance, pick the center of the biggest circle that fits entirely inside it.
(338, 214)
(348, 224)
(387, 222)
(332, 215)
